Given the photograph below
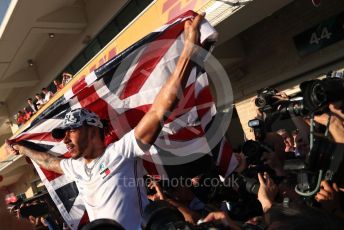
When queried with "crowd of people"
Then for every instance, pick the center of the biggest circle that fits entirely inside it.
(263, 192)
(41, 99)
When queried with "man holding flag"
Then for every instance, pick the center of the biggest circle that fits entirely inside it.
(99, 170)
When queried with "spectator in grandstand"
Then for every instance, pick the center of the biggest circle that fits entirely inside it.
(100, 171)
(47, 95)
(66, 77)
(32, 105)
(27, 113)
(57, 85)
(40, 102)
(20, 118)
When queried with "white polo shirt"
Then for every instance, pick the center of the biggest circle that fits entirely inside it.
(113, 190)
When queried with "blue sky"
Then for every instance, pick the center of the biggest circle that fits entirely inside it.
(3, 8)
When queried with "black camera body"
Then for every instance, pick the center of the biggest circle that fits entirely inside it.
(253, 150)
(265, 97)
(314, 98)
(317, 94)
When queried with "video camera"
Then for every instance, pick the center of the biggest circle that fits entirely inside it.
(314, 98)
(254, 149)
(325, 160)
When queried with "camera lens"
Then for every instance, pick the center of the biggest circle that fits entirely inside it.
(260, 102)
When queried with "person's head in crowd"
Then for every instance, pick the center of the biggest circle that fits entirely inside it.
(30, 101)
(40, 101)
(27, 113)
(288, 140)
(45, 90)
(66, 77)
(20, 117)
(276, 142)
(38, 96)
(57, 85)
(47, 95)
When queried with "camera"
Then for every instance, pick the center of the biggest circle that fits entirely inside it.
(253, 150)
(238, 190)
(265, 97)
(317, 94)
(314, 98)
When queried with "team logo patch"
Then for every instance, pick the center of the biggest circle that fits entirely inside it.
(104, 170)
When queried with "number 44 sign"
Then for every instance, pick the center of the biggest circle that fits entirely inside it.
(321, 35)
(315, 38)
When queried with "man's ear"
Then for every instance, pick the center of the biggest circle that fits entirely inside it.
(93, 132)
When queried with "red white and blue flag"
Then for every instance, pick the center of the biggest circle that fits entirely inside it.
(121, 92)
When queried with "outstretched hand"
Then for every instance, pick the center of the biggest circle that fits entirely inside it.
(267, 191)
(192, 33)
(12, 148)
(159, 195)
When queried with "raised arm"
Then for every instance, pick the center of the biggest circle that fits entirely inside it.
(45, 160)
(150, 125)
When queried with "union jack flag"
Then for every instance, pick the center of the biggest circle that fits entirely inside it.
(121, 92)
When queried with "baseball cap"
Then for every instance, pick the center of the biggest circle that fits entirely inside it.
(75, 119)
